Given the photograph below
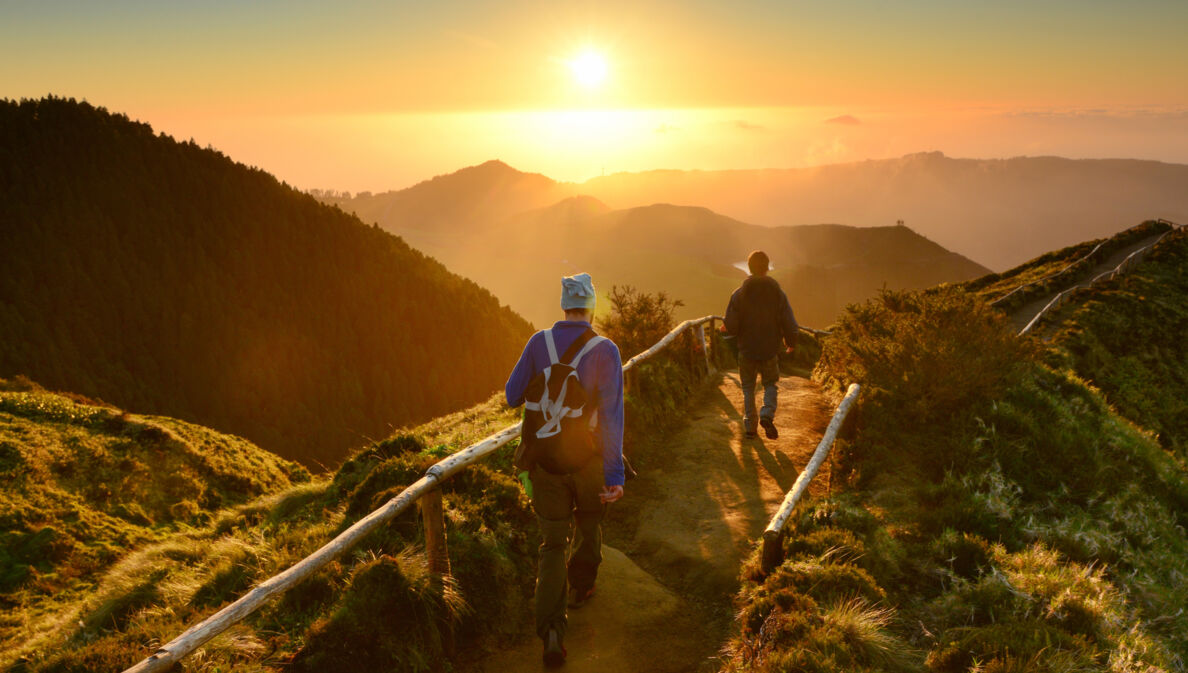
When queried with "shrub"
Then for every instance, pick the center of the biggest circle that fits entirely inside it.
(925, 359)
(638, 319)
(390, 617)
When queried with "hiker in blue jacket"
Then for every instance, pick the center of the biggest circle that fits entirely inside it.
(758, 316)
(561, 499)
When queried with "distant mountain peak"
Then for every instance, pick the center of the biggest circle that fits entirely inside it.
(493, 170)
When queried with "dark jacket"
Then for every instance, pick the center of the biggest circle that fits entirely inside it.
(758, 315)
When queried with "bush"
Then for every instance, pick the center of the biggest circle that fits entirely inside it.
(638, 319)
(926, 360)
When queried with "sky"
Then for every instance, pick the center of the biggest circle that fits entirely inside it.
(376, 96)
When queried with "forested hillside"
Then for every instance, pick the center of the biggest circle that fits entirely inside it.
(164, 277)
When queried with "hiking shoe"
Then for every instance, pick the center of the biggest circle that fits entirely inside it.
(750, 434)
(554, 653)
(579, 598)
(769, 428)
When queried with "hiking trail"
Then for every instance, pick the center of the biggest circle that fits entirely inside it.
(673, 546)
(1024, 314)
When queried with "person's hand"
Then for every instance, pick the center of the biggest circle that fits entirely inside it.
(610, 494)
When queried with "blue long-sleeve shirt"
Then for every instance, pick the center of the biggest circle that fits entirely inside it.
(601, 373)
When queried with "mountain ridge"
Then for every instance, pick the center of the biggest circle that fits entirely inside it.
(1010, 210)
(655, 246)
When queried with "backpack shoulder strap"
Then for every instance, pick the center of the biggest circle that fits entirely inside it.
(590, 344)
(576, 347)
(552, 346)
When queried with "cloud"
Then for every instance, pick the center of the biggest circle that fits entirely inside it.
(844, 120)
(744, 125)
(1120, 112)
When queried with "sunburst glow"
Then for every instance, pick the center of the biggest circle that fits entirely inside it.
(589, 69)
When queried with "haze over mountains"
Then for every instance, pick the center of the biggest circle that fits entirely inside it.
(998, 212)
(166, 278)
(507, 230)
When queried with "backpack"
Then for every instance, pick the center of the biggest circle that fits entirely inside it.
(558, 423)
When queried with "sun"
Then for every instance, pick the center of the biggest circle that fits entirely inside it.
(589, 69)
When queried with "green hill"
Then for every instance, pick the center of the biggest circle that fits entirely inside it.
(164, 277)
(84, 482)
(1001, 513)
(120, 529)
(1126, 337)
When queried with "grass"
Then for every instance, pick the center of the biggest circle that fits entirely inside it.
(1001, 514)
(1125, 337)
(1043, 270)
(83, 484)
(375, 607)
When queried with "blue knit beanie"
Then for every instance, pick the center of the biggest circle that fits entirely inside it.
(577, 292)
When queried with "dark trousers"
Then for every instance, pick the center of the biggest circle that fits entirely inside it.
(769, 371)
(560, 501)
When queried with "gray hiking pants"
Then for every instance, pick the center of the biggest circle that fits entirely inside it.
(769, 371)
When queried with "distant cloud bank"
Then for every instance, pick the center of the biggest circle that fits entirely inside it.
(844, 120)
(744, 125)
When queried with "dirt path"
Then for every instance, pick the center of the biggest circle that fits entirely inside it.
(703, 496)
(1025, 313)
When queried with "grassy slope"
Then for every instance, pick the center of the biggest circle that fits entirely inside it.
(1126, 336)
(376, 607)
(1002, 517)
(997, 285)
(84, 482)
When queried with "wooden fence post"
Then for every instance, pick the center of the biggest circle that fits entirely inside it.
(711, 346)
(433, 514)
(709, 368)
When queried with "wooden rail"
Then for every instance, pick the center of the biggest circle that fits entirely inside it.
(1080, 261)
(1050, 277)
(773, 536)
(178, 648)
(1132, 260)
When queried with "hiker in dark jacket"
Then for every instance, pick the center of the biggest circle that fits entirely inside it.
(758, 316)
(581, 496)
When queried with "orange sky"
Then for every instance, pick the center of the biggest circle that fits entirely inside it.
(379, 95)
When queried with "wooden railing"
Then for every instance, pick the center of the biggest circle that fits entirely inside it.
(1041, 285)
(1132, 260)
(1052, 276)
(773, 537)
(425, 490)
